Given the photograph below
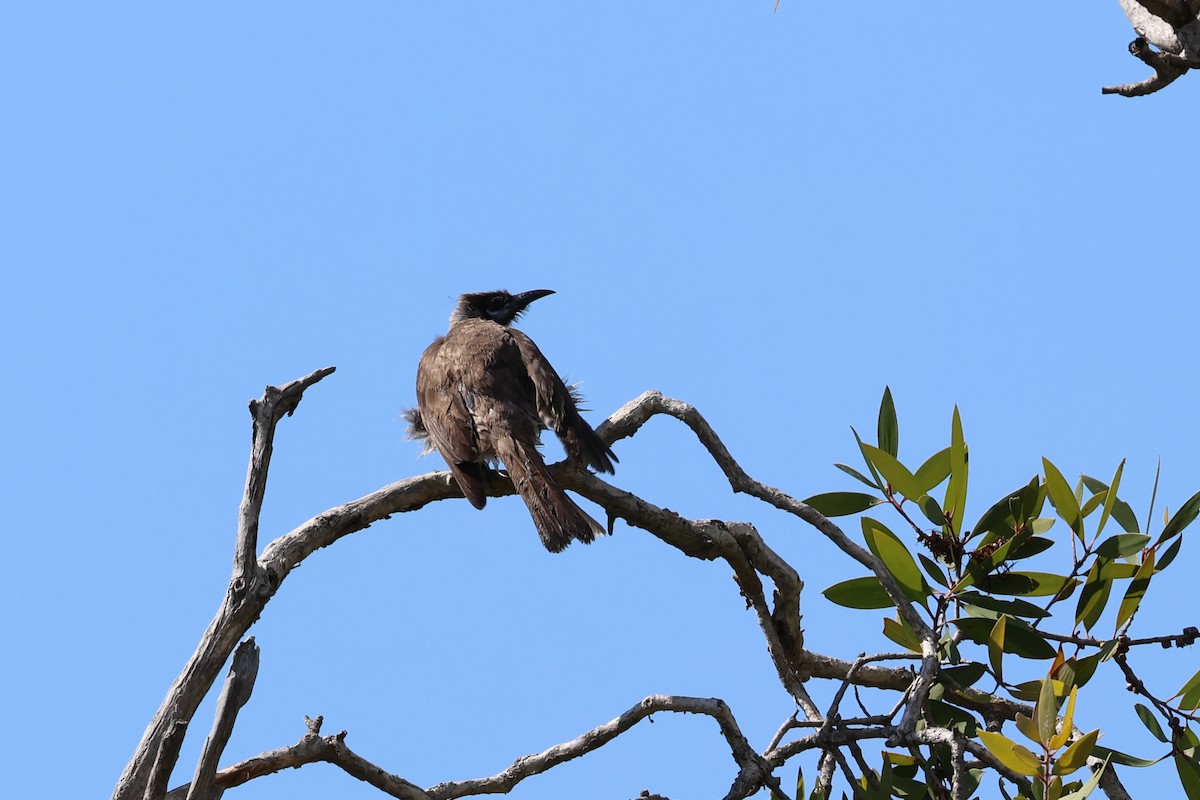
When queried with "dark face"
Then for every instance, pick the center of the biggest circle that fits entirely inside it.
(498, 306)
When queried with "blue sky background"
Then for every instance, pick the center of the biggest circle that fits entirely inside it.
(771, 216)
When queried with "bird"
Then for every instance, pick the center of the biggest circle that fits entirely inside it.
(485, 393)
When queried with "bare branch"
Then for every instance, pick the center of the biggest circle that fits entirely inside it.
(168, 754)
(1167, 67)
(635, 413)
(754, 772)
(238, 686)
(312, 748)
(266, 413)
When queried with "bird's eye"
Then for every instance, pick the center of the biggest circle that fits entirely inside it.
(496, 303)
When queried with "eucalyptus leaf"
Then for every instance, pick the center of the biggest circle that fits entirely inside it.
(933, 570)
(932, 511)
(888, 428)
(1150, 721)
(841, 504)
(858, 476)
(896, 474)
(1182, 518)
(1016, 608)
(1117, 757)
(1135, 592)
(935, 470)
(1030, 584)
(1169, 555)
(1110, 499)
(1094, 596)
(1019, 637)
(895, 556)
(1063, 498)
(1122, 545)
(866, 592)
(955, 503)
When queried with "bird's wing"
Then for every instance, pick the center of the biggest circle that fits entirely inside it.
(557, 410)
(446, 415)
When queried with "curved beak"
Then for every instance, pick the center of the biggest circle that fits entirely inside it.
(523, 299)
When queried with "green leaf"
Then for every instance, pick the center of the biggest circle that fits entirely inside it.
(895, 556)
(858, 476)
(1191, 688)
(932, 511)
(1010, 754)
(1077, 754)
(896, 474)
(1030, 584)
(1189, 776)
(1019, 637)
(1031, 547)
(1085, 668)
(870, 466)
(963, 676)
(1063, 498)
(1046, 712)
(948, 716)
(1025, 726)
(865, 592)
(1169, 555)
(1089, 785)
(1016, 608)
(901, 634)
(995, 644)
(889, 428)
(1117, 757)
(1064, 731)
(1110, 498)
(1123, 513)
(841, 504)
(1042, 524)
(1004, 515)
(933, 570)
(1135, 592)
(1122, 545)
(1150, 721)
(1183, 517)
(1092, 503)
(1154, 494)
(935, 470)
(956, 491)
(1093, 597)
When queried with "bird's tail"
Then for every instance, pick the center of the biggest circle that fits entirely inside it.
(557, 518)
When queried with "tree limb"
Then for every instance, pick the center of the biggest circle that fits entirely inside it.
(754, 772)
(238, 686)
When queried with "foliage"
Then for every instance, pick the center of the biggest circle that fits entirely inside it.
(994, 617)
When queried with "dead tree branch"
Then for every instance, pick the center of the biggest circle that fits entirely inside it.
(238, 686)
(753, 771)
(1173, 28)
(256, 579)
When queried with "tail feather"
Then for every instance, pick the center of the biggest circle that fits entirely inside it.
(555, 515)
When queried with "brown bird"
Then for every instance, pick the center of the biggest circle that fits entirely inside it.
(485, 392)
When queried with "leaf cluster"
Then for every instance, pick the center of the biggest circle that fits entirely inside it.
(994, 607)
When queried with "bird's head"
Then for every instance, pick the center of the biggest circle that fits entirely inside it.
(499, 306)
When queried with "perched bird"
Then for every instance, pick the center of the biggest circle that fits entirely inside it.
(485, 392)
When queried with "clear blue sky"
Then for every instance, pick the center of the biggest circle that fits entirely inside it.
(771, 216)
